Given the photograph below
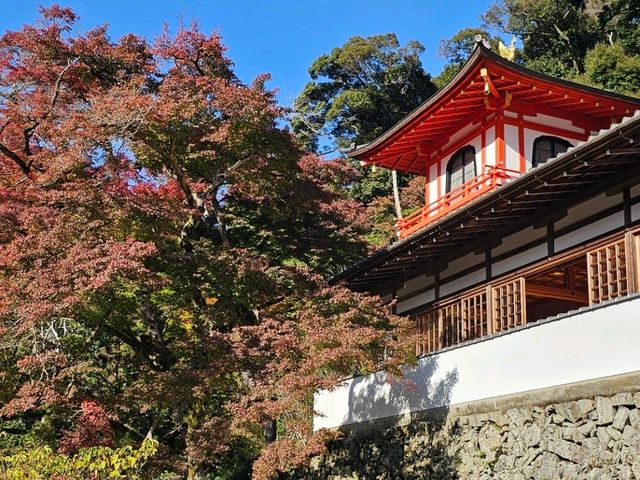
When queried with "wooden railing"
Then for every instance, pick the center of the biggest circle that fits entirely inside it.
(465, 193)
(613, 271)
(493, 309)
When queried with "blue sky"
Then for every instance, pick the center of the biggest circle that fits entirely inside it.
(281, 37)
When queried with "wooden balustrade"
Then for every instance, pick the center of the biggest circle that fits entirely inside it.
(456, 198)
(612, 271)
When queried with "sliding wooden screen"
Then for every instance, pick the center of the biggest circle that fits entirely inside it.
(452, 324)
(475, 316)
(509, 305)
(607, 272)
(428, 332)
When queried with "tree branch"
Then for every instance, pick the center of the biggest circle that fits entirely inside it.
(16, 158)
(56, 86)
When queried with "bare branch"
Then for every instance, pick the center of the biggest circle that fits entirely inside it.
(56, 87)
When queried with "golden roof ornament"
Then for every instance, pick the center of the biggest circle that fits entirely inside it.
(508, 52)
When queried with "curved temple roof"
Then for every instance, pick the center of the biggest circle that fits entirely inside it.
(487, 82)
(607, 159)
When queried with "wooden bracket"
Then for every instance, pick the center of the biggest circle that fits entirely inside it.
(489, 87)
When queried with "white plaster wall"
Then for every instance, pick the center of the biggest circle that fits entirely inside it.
(586, 209)
(476, 143)
(415, 284)
(433, 183)
(554, 122)
(590, 231)
(417, 301)
(443, 176)
(520, 260)
(635, 212)
(587, 345)
(459, 135)
(387, 298)
(490, 141)
(518, 239)
(467, 261)
(463, 282)
(512, 156)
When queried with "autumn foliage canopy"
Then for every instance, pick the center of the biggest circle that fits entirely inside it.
(164, 247)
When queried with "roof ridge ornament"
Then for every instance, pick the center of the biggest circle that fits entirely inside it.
(509, 52)
(481, 41)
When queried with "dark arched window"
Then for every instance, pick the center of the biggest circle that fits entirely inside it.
(547, 147)
(461, 167)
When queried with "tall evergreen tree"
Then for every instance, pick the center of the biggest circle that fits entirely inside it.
(356, 93)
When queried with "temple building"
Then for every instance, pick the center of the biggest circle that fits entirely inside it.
(522, 270)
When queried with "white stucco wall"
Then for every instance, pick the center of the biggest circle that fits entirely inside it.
(520, 259)
(433, 183)
(512, 149)
(490, 146)
(466, 281)
(585, 209)
(586, 345)
(588, 232)
(554, 122)
(415, 301)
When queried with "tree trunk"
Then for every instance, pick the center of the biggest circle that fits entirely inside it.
(396, 194)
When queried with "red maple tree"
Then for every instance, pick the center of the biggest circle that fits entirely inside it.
(163, 249)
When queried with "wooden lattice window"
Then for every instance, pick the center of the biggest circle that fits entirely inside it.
(474, 316)
(461, 167)
(428, 336)
(451, 324)
(547, 147)
(509, 305)
(607, 267)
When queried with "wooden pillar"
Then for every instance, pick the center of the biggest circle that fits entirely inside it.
(500, 147)
(523, 160)
(427, 182)
(483, 150)
(439, 171)
(626, 200)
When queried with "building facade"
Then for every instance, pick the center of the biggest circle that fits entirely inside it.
(522, 270)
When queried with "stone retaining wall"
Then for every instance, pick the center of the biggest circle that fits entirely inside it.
(596, 438)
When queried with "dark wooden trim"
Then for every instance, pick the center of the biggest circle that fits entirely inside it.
(527, 269)
(520, 249)
(550, 240)
(487, 267)
(588, 220)
(416, 292)
(626, 202)
(436, 285)
(535, 243)
(524, 247)
(443, 280)
(553, 209)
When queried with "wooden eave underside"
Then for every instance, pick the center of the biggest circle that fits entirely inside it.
(607, 160)
(407, 146)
